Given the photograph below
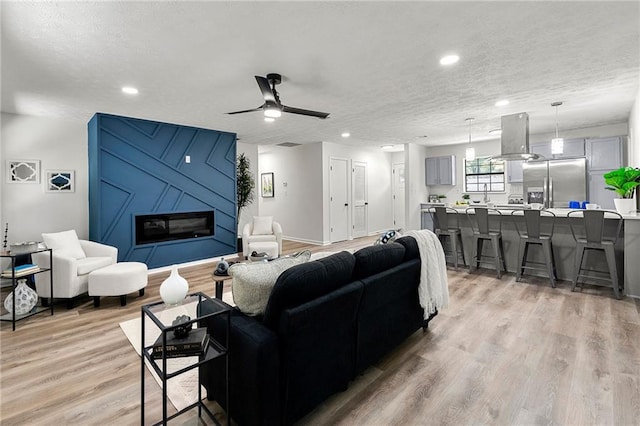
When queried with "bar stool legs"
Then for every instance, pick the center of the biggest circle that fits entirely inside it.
(498, 253)
(547, 249)
(609, 253)
(455, 239)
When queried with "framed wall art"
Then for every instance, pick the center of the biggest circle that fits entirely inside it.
(23, 171)
(60, 181)
(266, 180)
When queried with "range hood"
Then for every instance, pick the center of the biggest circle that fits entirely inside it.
(515, 138)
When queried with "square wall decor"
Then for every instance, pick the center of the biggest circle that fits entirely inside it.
(23, 171)
(60, 181)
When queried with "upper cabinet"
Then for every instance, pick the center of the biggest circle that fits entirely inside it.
(440, 170)
(571, 148)
(514, 171)
(604, 153)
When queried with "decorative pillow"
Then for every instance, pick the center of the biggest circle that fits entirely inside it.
(262, 225)
(387, 237)
(64, 243)
(252, 282)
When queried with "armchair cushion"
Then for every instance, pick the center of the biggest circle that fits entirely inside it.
(262, 225)
(65, 243)
(89, 264)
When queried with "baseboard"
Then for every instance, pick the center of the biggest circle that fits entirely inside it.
(192, 263)
(305, 241)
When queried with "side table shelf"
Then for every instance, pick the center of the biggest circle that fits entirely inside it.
(6, 281)
(156, 318)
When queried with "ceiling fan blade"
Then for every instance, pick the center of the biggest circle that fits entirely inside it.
(267, 93)
(247, 110)
(301, 111)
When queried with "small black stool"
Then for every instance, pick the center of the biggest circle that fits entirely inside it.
(486, 229)
(532, 233)
(448, 226)
(591, 236)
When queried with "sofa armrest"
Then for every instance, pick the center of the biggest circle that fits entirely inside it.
(254, 368)
(94, 249)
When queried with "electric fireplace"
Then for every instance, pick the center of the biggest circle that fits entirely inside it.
(158, 227)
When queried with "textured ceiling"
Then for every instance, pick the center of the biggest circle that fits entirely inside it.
(372, 65)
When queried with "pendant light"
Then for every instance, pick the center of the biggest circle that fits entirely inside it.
(557, 143)
(470, 153)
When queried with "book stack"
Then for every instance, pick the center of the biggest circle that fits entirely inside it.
(194, 344)
(21, 270)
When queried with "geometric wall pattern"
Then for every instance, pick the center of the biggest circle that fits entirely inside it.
(139, 167)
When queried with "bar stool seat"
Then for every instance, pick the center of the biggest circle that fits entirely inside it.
(485, 229)
(532, 233)
(446, 226)
(591, 236)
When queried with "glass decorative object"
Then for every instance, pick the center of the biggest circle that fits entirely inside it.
(26, 298)
(174, 289)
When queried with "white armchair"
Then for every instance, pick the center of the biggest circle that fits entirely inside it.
(261, 229)
(73, 260)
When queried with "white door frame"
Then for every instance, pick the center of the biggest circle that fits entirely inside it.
(394, 195)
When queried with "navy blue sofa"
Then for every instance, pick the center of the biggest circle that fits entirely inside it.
(326, 321)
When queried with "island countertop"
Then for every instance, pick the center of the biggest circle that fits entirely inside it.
(627, 248)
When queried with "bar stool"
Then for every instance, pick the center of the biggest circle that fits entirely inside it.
(486, 229)
(448, 226)
(532, 233)
(591, 236)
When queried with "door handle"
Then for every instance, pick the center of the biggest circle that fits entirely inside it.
(550, 192)
(346, 204)
(366, 204)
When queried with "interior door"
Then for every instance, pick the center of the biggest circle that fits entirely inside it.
(398, 195)
(359, 199)
(339, 200)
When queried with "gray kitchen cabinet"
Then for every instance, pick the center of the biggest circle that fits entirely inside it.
(604, 153)
(597, 193)
(514, 171)
(571, 148)
(440, 170)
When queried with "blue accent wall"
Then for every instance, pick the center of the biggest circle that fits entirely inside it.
(138, 167)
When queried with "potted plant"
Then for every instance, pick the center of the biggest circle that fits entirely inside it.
(624, 182)
(245, 187)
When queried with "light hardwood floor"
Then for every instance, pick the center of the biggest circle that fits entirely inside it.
(502, 353)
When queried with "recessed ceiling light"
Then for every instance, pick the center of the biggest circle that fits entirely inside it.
(495, 131)
(130, 90)
(387, 147)
(269, 119)
(502, 103)
(345, 134)
(449, 59)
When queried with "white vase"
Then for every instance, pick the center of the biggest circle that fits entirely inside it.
(174, 289)
(625, 205)
(26, 298)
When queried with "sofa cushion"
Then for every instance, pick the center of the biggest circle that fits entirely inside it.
(262, 225)
(373, 259)
(252, 282)
(308, 281)
(411, 250)
(64, 243)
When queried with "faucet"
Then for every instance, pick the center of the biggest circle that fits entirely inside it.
(485, 199)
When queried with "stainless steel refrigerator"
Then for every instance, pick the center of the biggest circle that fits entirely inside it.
(554, 183)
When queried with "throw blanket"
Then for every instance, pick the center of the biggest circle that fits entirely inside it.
(433, 290)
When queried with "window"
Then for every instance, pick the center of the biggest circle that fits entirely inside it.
(483, 171)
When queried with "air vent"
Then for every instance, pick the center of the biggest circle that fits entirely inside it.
(289, 144)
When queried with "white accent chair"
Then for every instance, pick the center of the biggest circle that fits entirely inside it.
(261, 230)
(73, 260)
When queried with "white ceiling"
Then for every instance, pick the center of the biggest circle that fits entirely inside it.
(372, 65)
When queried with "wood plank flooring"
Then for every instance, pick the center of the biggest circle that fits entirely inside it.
(502, 353)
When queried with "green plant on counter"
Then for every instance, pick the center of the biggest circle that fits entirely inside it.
(623, 181)
(466, 196)
(441, 196)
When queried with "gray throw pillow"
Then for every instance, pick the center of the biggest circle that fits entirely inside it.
(252, 282)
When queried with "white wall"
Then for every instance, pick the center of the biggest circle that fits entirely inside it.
(298, 206)
(416, 191)
(634, 133)
(246, 215)
(379, 183)
(59, 145)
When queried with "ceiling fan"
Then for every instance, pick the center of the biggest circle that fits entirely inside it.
(272, 106)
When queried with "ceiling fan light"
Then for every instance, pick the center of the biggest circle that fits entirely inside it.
(272, 112)
(557, 146)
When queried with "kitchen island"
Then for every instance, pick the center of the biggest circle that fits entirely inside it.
(627, 249)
